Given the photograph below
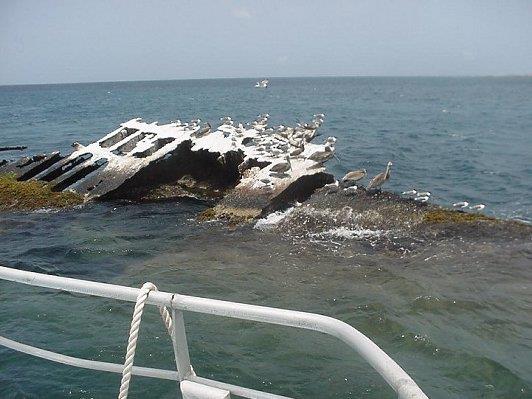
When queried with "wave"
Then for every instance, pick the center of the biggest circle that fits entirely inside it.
(346, 233)
(273, 219)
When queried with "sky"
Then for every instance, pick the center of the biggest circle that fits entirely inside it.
(49, 41)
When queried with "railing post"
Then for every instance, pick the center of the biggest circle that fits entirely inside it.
(193, 390)
(179, 342)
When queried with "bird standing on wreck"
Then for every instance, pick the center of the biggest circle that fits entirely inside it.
(282, 167)
(297, 151)
(381, 178)
(351, 178)
(203, 131)
(331, 188)
(77, 146)
(322, 155)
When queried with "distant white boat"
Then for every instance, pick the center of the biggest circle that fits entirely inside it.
(263, 84)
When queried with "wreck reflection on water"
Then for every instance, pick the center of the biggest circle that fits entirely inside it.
(453, 312)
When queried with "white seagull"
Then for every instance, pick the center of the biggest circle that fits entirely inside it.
(461, 204)
(422, 199)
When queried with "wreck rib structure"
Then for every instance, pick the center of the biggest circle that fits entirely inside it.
(263, 166)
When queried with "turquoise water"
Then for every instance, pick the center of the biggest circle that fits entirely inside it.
(455, 314)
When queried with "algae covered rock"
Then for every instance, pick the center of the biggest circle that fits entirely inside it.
(32, 194)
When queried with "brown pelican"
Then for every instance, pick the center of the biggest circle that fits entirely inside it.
(352, 177)
(380, 179)
(297, 151)
(322, 156)
(309, 135)
(282, 167)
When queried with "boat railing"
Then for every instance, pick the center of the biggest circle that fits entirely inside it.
(191, 385)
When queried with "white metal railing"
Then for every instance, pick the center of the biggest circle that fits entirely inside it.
(392, 373)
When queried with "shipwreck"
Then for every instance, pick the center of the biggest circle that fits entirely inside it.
(253, 168)
(245, 172)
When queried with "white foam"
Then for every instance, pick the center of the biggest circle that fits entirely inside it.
(345, 233)
(272, 219)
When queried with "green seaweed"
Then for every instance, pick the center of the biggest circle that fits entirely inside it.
(452, 216)
(32, 194)
(206, 215)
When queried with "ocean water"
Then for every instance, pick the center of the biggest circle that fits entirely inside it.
(455, 314)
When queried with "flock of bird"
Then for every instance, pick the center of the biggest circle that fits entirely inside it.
(350, 180)
(424, 196)
(284, 143)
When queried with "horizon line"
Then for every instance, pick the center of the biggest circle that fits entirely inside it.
(272, 77)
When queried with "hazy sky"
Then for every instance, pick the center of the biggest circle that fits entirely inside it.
(89, 40)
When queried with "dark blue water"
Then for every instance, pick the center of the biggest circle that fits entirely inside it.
(455, 315)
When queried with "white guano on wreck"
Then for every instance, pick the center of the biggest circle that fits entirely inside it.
(139, 156)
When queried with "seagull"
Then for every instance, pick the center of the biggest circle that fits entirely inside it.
(409, 192)
(243, 166)
(424, 194)
(203, 131)
(461, 204)
(424, 198)
(331, 188)
(352, 177)
(221, 159)
(477, 207)
(350, 190)
(380, 179)
(282, 167)
(77, 146)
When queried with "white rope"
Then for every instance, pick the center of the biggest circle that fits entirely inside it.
(134, 334)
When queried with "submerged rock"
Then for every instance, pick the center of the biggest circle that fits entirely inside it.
(389, 219)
